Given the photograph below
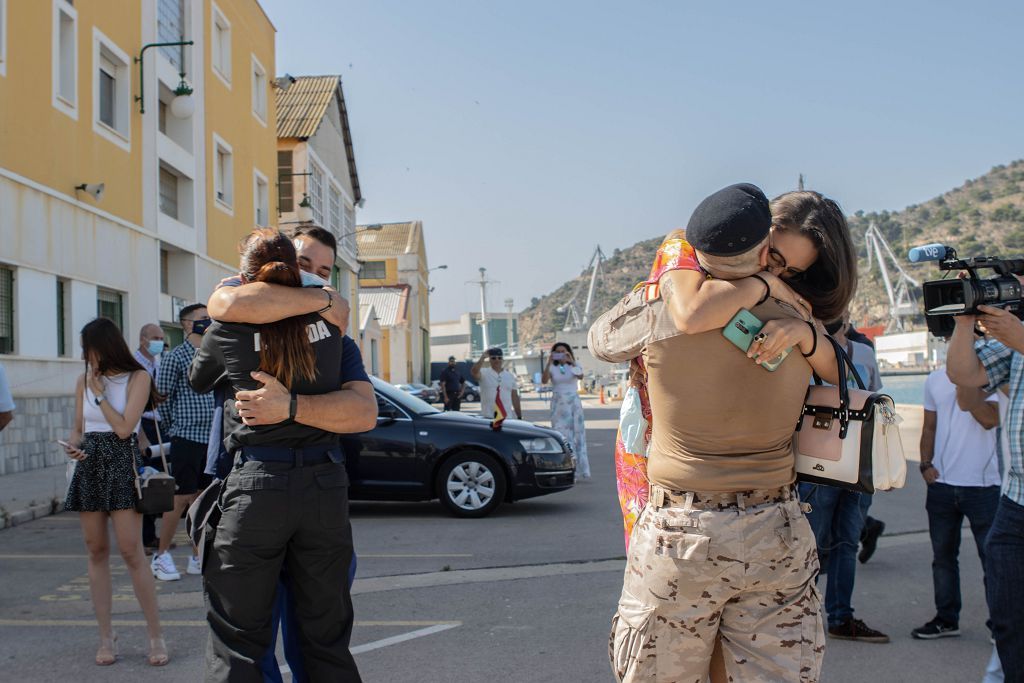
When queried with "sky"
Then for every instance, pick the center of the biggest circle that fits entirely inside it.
(524, 134)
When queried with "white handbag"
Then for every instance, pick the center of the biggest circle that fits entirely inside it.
(849, 438)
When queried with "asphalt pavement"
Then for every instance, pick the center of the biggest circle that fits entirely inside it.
(524, 595)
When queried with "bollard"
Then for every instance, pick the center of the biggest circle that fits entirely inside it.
(601, 397)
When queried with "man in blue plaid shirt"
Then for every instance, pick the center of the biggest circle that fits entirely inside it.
(186, 417)
(992, 365)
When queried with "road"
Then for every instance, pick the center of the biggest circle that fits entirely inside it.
(524, 595)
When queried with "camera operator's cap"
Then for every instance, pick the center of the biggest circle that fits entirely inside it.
(731, 221)
(451, 358)
(495, 352)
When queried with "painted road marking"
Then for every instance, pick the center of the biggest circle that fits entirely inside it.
(394, 640)
(376, 556)
(202, 622)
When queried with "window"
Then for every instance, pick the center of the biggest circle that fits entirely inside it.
(62, 316)
(170, 28)
(168, 193)
(6, 310)
(374, 270)
(316, 193)
(3, 37)
(65, 56)
(334, 213)
(110, 304)
(220, 47)
(259, 90)
(285, 183)
(223, 174)
(261, 199)
(111, 91)
(164, 277)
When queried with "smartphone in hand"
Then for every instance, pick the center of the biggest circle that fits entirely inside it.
(741, 331)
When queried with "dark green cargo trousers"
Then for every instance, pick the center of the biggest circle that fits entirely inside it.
(275, 515)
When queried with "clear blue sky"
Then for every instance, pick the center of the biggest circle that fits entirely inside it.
(525, 133)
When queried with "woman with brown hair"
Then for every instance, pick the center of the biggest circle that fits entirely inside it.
(109, 400)
(285, 502)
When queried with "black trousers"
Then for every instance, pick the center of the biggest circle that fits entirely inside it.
(453, 403)
(274, 515)
(149, 521)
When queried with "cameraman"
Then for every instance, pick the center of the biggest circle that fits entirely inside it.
(992, 365)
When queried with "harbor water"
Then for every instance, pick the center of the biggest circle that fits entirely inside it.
(905, 389)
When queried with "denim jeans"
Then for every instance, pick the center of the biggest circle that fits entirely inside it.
(837, 519)
(947, 506)
(1004, 573)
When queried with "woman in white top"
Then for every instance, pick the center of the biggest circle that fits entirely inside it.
(564, 374)
(109, 400)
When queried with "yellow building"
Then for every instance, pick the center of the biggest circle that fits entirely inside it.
(394, 281)
(117, 197)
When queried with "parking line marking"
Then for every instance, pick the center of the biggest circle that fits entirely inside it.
(394, 640)
(376, 556)
(202, 622)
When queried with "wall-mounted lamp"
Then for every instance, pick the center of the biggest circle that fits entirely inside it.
(282, 83)
(182, 106)
(305, 209)
(437, 268)
(94, 189)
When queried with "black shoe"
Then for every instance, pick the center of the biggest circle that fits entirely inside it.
(855, 629)
(936, 628)
(869, 539)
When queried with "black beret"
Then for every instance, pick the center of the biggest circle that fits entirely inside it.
(731, 221)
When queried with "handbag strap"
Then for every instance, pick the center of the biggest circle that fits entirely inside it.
(160, 446)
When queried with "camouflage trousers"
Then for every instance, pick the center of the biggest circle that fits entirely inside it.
(702, 570)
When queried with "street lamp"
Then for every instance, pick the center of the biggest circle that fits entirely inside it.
(366, 228)
(182, 106)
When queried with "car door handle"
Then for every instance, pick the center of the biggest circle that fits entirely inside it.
(424, 433)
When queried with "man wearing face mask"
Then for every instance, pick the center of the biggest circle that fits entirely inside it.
(151, 345)
(185, 418)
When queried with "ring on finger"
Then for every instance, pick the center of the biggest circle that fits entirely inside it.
(760, 338)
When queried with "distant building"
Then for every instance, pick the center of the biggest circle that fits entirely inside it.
(106, 210)
(316, 166)
(910, 350)
(371, 337)
(464, 338)
(394, 278)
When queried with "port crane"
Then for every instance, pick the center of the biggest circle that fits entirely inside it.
(574, 318)
(902, 302)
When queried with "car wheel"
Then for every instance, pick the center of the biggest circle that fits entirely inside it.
(471, 484)
(469, 397)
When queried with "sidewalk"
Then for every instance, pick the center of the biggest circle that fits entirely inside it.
(29, 495)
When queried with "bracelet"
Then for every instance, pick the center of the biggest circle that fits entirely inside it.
(814, 333)
(293, 406)
(767, 289)
(330, 302)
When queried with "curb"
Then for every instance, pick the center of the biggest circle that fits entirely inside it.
(29, 513)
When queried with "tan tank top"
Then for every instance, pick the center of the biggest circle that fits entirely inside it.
(720, 422)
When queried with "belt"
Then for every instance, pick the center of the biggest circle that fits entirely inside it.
(300, 457)
(661, 497)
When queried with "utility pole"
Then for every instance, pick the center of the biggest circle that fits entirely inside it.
(800, 183)
(509, 305)
(482, 283)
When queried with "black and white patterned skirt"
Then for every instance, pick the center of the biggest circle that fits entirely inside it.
(105, 480)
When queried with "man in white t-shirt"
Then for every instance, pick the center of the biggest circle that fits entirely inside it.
(6, 401)
(494, 380)
(960, 464)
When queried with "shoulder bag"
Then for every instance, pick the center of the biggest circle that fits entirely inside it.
(849, 438)
(155, 492)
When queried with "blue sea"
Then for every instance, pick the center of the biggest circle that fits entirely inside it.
(905, 389)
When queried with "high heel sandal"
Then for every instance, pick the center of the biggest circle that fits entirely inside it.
(107, 652)
(157, 652)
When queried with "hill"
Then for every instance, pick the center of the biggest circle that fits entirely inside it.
(982, 217)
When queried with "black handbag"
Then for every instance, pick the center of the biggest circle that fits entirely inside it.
(155, 493)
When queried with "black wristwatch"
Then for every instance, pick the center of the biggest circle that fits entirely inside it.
(293, 406)
(925, 466)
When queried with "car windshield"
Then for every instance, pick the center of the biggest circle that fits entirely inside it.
(420, 386)
(402, 398)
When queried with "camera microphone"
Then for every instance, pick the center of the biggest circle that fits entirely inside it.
(929, 252)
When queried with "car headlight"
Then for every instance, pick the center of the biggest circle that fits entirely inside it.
(542, 444)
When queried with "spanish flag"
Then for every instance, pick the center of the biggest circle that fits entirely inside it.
(499, 412)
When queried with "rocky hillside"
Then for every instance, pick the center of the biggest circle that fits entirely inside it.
(984, 216)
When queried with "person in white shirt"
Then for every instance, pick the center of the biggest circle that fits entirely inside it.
(6, 401)
(563, 373)
(496, 382)
(960, 464)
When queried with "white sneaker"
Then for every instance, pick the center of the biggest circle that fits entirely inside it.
(193, 566)
(163, 567)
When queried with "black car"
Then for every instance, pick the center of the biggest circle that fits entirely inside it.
(417, 452)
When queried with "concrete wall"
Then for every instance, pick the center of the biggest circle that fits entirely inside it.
(29, 442)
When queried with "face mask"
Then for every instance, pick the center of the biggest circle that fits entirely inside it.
(155, 348)
(200, 326)
(310, 280)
